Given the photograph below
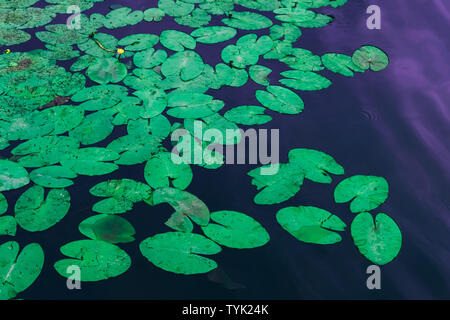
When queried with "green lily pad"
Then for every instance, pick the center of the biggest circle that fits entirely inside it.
(278, 187)
(315, 164)
(139, 42)
(311, 224)
(94, 128)
(19, 271)
(236, 230)
(213, 34)
(364, 192)
(186, 206)
(91, 161)
(180, 253)
(13, 176)
(105, 70)
(280, 99)
(8, 226)
(247, 115)
(109, 228)
(187, 64)
(177, 40)
(34, 213)
(370, 57)
(304, 80)
(378, 241)
(53, 177)
(247, 20)
(260, 74)
(97, 260)
(340, 63)
(3, 204)
(160, 170)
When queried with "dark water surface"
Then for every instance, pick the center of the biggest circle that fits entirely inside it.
(393, 123)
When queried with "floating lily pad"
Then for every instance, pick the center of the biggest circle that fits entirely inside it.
(105, 70)
(177, 40)
(340, 63)
(247, 20)
(53, 177)
(315, 164)
(236, 230)
(370, 57)
(34, 213)
(19, 271)
(278, 187)
(12, 176)
(378, 241)
(180, 253)
(3, 204)
(160, 170)
(247, 115)
(185, 205)
(97, 260)
(213, 34)
(311, 224)
(364, 192)
(280, 99)
(304, 80)
(91, 161)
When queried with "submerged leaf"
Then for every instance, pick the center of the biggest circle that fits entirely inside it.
(109, 228)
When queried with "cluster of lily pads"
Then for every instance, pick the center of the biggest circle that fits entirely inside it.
(53, 128)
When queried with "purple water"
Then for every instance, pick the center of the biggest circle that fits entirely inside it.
(393, 123)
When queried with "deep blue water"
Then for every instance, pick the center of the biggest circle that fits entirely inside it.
(393, 123)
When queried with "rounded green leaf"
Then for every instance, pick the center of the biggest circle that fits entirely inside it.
(247, 20)
(370, 57)
(12, 176)
(18, 272)
(247, 115)
(3, 204)
(364, 192)
(280, 99)
(160, 170)
(8, 226)
(315, 164)
(34, 213)
(236, 230)
(185, 205)
(179, 252)
(53, 177)
(213, 34)
(97, 260)
(304, 80)
(311, 224)
(105, 70)
(379, 242)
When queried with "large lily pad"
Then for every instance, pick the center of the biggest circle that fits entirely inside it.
(364, 192)
(18, 271)
(311, 224)
(12, 176)
(97, 260)
(180, 253)
(378, 241)
(34, 213)
(236, 230)
(315, 164)
(109, 228)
